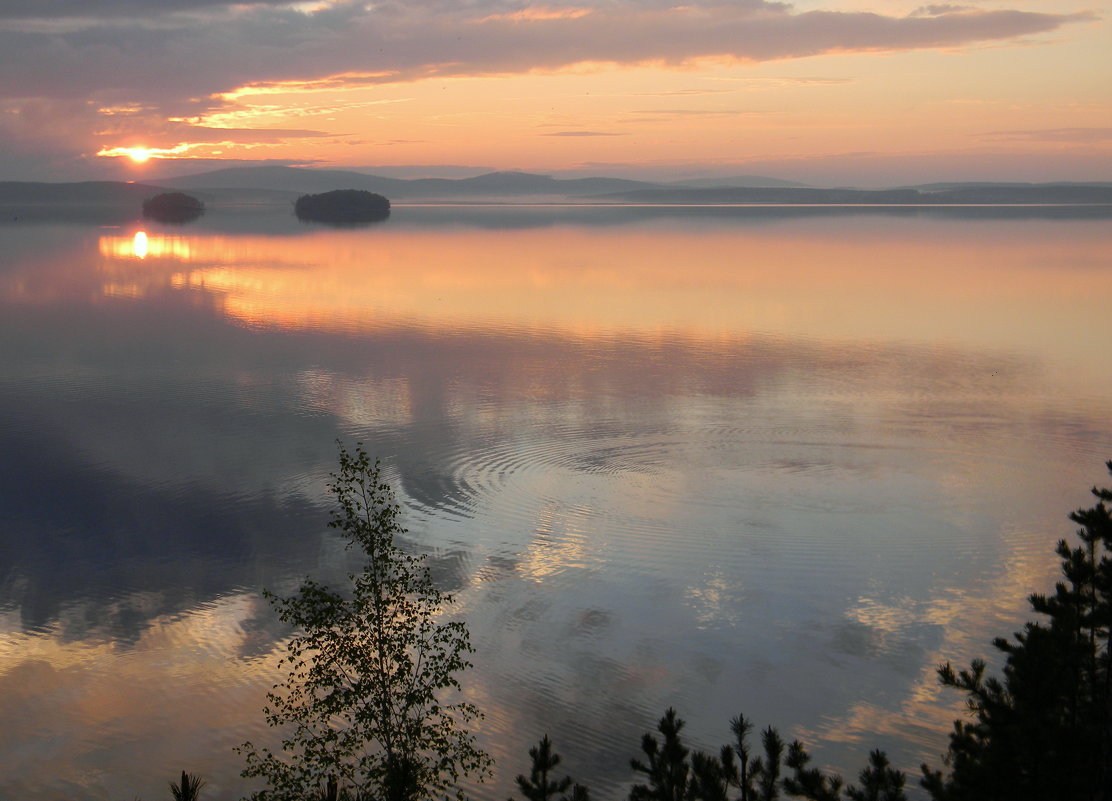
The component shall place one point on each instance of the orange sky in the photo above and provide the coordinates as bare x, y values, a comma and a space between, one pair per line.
869, 92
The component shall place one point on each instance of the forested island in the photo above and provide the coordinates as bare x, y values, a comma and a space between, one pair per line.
173, 207
343, 206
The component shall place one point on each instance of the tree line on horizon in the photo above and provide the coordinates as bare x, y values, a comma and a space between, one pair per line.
364, 714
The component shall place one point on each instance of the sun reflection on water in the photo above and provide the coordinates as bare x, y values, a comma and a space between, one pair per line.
142, 245
802, 282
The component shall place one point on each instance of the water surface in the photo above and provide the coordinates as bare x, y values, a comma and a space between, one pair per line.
779, 462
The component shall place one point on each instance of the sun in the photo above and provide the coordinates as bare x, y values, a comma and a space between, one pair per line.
142, 154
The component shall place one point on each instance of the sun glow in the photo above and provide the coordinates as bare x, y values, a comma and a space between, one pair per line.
156, 246
141, 155
139, 245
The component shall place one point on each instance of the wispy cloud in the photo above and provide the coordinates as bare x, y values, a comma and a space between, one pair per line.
698, 112
776, 81
1080, 135
939, 9
584, 133
686, 92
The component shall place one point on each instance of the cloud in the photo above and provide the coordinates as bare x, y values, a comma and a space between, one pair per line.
776, 81
150, 61
583, 133
1082, 135
698, 112
687, 92
938, 10
214, 51
55, 9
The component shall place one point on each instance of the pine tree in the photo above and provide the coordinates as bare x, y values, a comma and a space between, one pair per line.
189, 789
363, 709
539, 787
667, 768
740, 727
713, 779
1042, 729
766, 769
809, 783
879, 781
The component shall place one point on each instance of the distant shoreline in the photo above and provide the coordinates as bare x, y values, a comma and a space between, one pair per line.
265, 189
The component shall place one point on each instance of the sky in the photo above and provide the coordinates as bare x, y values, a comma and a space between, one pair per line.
827, 92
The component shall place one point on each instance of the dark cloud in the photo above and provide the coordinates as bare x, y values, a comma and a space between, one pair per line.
201, 54
55, 9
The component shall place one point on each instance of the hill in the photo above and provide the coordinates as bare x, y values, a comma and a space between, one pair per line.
738, 181
490, 185
280, 186
81, 193
1034, 194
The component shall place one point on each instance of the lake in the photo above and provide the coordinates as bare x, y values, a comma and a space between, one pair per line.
773, 461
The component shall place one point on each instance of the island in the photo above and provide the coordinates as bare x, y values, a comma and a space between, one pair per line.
343, 206
173, 207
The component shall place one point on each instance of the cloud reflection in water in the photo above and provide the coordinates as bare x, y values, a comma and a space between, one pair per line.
765, 468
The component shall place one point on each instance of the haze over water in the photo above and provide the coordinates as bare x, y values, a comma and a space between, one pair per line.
779, 462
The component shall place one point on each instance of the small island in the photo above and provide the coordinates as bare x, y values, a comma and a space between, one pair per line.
173, 207
343, 206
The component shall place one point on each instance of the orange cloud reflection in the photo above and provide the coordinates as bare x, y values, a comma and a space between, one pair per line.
996, 284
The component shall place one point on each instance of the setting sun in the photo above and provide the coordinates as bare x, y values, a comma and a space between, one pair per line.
141, 155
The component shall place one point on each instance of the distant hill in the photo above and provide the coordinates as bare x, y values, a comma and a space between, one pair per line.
993, 194
1023, 193
756, 181
735, 189
288, 179
81, 193
281, 186
495, 184
794, 195
1001, 185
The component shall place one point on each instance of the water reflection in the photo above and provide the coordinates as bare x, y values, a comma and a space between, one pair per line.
772, 467
140, 245
847, 280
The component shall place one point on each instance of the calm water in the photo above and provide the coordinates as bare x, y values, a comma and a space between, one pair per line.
760, 461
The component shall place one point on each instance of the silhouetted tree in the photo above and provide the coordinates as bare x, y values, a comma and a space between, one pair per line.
740, 727
766, 769
362, 706
809, 783
713, 779
879, 781
1041, 730
189, 789
537, 786
667, 767
704, 777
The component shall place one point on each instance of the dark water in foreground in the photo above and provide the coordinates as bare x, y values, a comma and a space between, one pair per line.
779, 463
